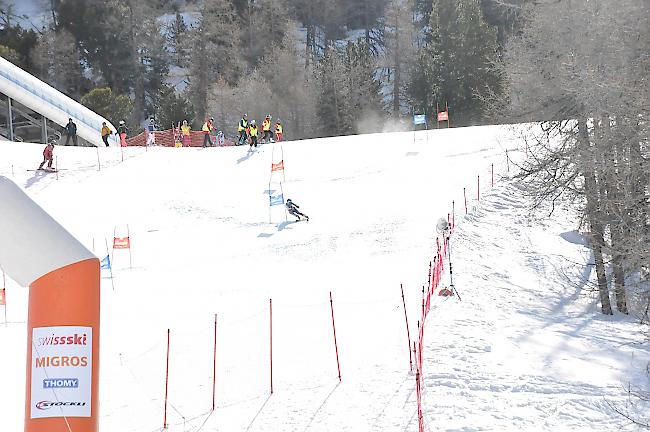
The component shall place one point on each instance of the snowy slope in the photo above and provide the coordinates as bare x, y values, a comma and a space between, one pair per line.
203, 245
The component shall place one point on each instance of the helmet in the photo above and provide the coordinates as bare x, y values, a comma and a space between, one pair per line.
252, 122
121, 122
245, 115
268, 116
288, 200
211, 118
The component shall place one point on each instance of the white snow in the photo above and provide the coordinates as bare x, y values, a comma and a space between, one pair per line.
524, 349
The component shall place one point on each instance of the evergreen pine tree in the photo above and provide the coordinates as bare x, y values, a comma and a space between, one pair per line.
463, 53
363, 86
176, 35
171, 108
332, 108
215, 51
269, 24
400, 52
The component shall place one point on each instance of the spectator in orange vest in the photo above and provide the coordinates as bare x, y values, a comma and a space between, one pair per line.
266, 128
278, 131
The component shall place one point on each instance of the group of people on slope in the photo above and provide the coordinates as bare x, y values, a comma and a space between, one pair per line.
246, 131
249, 131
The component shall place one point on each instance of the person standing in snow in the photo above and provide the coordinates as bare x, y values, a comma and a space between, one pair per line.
242, 127
252, 133
266, 128
151, 136
122, 130
292, 208
71, 132
48, 156
106, 132
278, 131
185, 134
208, 126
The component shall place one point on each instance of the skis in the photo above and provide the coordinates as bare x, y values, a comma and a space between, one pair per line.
44, 169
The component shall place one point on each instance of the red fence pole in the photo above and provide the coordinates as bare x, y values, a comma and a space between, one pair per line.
214, 364
478, 188
408, 334
338, 365
465, 196
453, 215
166, 382
271, 340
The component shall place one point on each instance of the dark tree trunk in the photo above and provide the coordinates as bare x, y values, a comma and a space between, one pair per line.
592, 210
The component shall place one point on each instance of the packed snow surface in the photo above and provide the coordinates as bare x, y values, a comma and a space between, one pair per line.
525, 348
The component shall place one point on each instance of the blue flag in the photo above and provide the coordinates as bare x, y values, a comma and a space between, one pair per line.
419, 119
105, 264
276, 199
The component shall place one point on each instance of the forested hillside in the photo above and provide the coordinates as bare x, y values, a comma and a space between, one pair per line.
325, 67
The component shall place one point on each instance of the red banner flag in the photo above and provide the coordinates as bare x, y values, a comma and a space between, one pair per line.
3, 297
443, 116
278, 166
121, 243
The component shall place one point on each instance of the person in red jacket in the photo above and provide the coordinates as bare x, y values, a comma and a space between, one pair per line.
48, 156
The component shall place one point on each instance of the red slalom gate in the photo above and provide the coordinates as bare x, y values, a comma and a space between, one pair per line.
166, 382
336, 347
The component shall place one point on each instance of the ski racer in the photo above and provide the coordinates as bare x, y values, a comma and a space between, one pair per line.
48, 156
266, 128
278, 131
252, 133
292, 208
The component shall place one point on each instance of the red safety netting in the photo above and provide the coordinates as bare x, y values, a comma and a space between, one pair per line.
169, 137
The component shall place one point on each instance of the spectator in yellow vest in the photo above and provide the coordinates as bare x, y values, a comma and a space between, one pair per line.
185, 134
207, 129
252, 132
